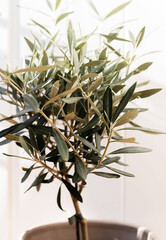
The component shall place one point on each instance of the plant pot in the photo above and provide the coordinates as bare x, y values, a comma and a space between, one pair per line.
97, 231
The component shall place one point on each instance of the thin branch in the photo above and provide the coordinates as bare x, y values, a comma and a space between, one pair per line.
66, 139
48, 168
106, 148
95, 108
10, 81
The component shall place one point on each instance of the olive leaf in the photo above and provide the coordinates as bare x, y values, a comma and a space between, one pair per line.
126, 174
78, 47
27, 173
133, 40
102, 55
30, 44
117, 9
90, 75
127, 117
61, 145
80, 168
31, 101
95, 63
131, 150
110, 37
39, 179
98, 141
87, 143
126, 140
91, 4
18, 114
49, 4
18, 127
59, 198
57, 4
142, 129
44, 59
146, 93
140, 36
72, 190
115, 51
107, 105
106, 174
71, 100
90, 124
142, 67
54, 89
110, 160
51, 41
40, 86
95, 84
121, 65
59, 96
40, 68
76, 61
124, 101
41, 26
24, 144
71, 38
62, 16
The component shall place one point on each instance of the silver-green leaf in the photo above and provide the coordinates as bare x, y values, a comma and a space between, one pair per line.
80, 168
31, 101
61, 145
131, 149
87, 143
140, 36
126, 174
71, 100
59, 198
117, 9
62, 16
106, 174
124, 101
57, 4
24, 144
91, 4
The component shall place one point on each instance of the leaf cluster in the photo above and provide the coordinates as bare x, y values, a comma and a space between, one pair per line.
66, 110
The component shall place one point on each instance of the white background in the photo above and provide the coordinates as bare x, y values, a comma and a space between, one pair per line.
139, 201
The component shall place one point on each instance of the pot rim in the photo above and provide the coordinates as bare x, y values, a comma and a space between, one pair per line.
94, 223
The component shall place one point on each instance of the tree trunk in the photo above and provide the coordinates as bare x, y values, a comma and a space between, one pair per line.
83, 221
84, 229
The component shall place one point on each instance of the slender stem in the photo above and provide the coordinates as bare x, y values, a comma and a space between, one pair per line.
10, 81
95, 108
71, 130
84, 228
78, 230
15, 156
51, 170
5, 100
71, 165
83, 222
81, 187
88, 110
59, 96
105, 151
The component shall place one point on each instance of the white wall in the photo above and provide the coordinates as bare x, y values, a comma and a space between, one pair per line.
139, 201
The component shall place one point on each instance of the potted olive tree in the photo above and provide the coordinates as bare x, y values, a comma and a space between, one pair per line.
69, 111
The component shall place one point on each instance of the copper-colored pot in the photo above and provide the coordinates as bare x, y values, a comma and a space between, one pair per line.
97, 231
